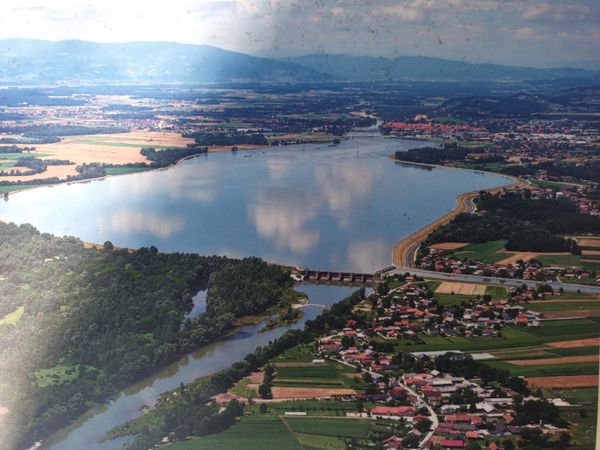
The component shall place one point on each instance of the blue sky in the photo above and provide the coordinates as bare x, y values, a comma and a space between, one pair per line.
525, 32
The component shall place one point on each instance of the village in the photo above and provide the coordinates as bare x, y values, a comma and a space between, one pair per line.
435, 399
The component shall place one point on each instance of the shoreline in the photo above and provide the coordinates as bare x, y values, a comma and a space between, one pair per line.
404, 251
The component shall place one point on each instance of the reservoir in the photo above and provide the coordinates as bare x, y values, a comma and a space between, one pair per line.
325, 207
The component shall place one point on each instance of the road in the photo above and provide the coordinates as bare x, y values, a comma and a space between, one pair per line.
515, 282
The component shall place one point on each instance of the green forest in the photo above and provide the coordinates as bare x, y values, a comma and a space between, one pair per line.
526, 224
77, 324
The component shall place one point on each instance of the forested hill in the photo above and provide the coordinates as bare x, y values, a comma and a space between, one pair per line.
78, 324
408, 68
37, 61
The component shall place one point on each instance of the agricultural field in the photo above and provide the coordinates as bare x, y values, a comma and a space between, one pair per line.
303, 380
449, 287
319, 408
548, 370
486, 251
273, 431
557, 309
587, 262
512, 337
496, 292
255, 432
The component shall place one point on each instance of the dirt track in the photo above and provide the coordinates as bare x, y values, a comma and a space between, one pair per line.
565, 360
300, 393
564, 382
575, 343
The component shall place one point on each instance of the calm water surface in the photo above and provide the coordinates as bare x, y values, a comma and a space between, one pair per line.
339, 207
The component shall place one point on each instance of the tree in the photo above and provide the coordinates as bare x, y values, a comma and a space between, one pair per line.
507, 444
108, 246
472, 446
264, 390
564, 440
423, 425
410, 441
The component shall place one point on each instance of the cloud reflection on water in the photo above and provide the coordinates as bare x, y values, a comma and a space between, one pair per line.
128, 222
278, 218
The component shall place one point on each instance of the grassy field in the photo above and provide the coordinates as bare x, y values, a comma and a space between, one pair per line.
241, 388
452, 299
571, 260
576, 395
540, 351
13, 317
564, 306
56, 375
21, 155
493, 167
329, 427
124, 170
251, 432
486, 252
4, 189
512, 337
318, 408
583, 429
496, 292
329, 375
299, 353
547, 370
549, 184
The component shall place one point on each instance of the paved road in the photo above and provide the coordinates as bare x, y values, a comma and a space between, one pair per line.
494, 280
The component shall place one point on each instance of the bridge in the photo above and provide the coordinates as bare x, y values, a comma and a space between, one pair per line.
326, 276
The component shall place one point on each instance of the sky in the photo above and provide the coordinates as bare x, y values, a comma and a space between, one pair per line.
523, 32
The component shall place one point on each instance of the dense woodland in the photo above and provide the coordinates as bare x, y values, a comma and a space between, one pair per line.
589, 172
438, 155
528, 225
86, 322
232, 138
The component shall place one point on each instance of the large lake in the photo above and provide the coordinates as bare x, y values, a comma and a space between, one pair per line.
319, 206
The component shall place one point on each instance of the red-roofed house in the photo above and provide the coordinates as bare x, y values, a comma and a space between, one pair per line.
452, 443
393, 412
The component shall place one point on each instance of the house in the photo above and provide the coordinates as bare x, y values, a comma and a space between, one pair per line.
393, 412
452, 443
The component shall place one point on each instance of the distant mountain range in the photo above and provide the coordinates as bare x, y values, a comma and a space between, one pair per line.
36, 61
421, 68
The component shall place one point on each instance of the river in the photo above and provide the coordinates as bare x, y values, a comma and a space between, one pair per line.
89, 429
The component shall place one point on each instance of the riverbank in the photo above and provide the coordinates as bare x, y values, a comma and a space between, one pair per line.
403, 252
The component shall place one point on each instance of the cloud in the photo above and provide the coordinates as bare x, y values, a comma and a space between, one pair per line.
535, 11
